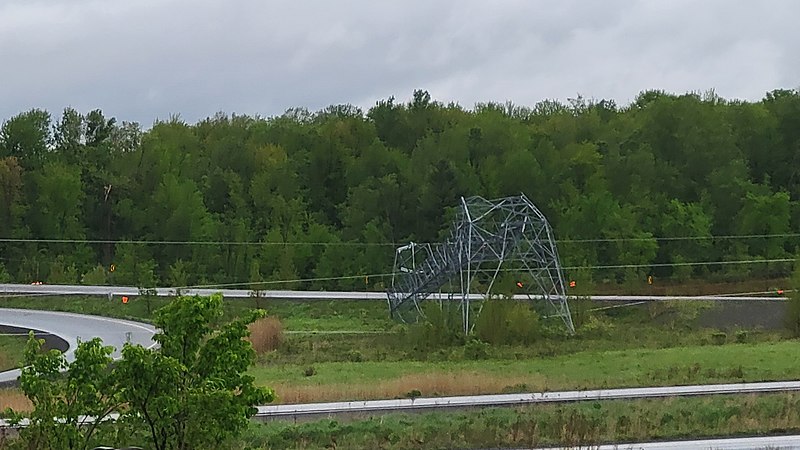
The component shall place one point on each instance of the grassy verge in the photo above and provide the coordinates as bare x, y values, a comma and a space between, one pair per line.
340, 315
333, 381
11, 350
541, 425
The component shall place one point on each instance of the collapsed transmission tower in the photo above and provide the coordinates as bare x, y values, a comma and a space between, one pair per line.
487, 237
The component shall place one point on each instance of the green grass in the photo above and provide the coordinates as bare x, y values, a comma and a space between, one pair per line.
585, 423
11, 351
582, 370
339, 315
657, 344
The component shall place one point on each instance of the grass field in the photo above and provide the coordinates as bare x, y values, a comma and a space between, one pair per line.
343, 350
335, 381
584, 370
11, 349
585, 423
349, 350
344, 315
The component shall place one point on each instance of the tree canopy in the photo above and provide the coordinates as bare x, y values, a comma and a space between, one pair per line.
649, 188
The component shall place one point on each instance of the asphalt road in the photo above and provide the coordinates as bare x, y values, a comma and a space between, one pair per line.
73, 327
117, 291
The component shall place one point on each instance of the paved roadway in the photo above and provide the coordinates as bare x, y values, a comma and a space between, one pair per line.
53, 289
72, 327
763, 442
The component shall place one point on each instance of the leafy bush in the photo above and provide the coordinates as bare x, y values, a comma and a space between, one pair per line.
597, 324
507, 322
95, 277
414, 393
719, 337
475, 349
741, 336
355, 356
442, 327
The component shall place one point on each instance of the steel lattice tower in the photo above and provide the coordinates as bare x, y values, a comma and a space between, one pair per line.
487, 237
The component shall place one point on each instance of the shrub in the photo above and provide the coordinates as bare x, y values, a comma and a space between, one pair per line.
95, 277
597, 324
266, 334
414, 393
440, 328
719, 337
476, 349
309, 371
507, 322
355, 356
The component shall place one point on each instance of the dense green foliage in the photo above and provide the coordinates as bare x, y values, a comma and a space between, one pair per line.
193, 391
69, 411
190, 391
332, 191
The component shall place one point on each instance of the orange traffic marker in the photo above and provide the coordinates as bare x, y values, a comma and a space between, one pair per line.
124, 299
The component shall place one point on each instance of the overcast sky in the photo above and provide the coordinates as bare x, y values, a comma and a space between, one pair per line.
140, 60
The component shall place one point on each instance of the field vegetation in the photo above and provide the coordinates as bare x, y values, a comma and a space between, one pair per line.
586, 423
347, 350
11, 348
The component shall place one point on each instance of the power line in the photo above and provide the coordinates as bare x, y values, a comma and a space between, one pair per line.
298, 280
148, 242
386, 244
684, 238
678, 264
389, 274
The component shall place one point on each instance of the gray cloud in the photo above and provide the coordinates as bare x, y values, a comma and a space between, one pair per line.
146, 59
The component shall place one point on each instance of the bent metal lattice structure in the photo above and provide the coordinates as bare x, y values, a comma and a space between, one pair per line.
488, 237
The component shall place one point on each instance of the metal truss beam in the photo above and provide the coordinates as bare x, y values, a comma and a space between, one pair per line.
487, 237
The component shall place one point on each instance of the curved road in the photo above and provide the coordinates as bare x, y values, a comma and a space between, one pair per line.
74, 327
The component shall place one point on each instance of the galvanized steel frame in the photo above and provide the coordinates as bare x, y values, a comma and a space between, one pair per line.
487, 237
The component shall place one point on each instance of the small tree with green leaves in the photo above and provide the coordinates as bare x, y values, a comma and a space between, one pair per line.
69, 409
193, 391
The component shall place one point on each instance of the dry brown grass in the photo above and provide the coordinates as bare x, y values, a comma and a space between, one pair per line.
266, 334
14, 399
428, 385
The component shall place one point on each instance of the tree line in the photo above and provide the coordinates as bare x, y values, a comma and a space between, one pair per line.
650, 188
